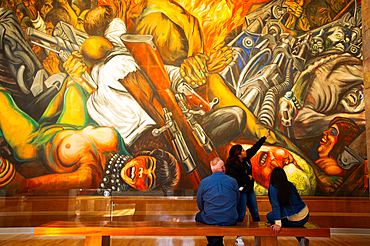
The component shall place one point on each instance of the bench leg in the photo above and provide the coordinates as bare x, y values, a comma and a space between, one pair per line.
269, 241
106, 241
93, 240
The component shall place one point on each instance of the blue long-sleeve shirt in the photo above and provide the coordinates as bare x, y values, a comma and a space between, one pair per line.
280, 212
217, 198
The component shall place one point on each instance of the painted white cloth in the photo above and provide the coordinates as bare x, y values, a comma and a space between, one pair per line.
114, 32
111, 104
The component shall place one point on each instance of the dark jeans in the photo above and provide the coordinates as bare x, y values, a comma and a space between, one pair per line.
286, 222
215, 241
248, 200
212, 240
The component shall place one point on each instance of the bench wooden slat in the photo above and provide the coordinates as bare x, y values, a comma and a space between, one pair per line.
94, 240
95, 231
267, 241
167, 228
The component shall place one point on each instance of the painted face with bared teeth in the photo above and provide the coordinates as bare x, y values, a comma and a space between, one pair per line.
329, 139
267, 158
139, 173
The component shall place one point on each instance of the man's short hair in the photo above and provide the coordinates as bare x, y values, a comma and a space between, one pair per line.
58, 14
216, 163
98, 19
167, 170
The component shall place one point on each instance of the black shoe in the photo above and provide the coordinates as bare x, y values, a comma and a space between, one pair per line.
219, 243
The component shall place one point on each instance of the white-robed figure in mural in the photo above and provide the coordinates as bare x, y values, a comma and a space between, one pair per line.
111, 104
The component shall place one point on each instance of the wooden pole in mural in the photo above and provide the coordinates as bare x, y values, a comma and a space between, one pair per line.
190, 152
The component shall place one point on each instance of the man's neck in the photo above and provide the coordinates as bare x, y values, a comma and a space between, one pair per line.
218, 170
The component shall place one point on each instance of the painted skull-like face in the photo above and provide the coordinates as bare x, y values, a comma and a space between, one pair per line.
354, 101
139, 173
267, 158
316, 46
337, 38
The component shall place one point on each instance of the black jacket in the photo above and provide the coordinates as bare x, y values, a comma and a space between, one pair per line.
241, 170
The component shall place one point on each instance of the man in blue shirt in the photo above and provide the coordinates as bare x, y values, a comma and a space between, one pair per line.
217, 199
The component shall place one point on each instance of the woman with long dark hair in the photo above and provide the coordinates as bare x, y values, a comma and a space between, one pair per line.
288, 209
238, 165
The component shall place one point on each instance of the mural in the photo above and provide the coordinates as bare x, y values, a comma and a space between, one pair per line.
140, 95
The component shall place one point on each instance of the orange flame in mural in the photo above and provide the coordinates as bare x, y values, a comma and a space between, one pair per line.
217, 18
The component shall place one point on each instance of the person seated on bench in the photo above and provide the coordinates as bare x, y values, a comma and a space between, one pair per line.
288, 209
217, 199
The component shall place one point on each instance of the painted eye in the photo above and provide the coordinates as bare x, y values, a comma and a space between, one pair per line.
333, 132
148, 163
147, 182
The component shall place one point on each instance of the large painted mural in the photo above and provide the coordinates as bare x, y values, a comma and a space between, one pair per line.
138, 96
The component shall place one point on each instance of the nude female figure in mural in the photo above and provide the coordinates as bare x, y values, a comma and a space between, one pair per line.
72, 153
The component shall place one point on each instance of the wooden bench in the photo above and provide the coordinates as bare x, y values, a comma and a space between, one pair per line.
33, 211
98, 233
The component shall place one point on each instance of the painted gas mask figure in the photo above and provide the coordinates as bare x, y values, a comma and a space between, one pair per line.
335, 38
